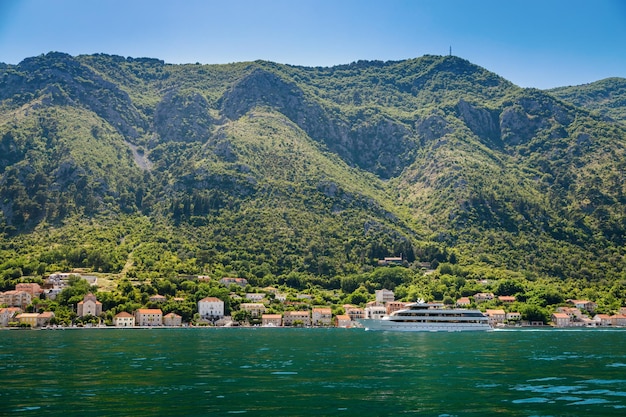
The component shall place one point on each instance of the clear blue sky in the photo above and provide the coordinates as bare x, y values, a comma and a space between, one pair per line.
533, 43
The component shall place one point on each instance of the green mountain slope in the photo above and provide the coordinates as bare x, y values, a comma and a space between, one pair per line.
264, 169
606, 97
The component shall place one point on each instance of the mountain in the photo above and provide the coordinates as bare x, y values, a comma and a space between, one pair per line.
606, 97
261, 169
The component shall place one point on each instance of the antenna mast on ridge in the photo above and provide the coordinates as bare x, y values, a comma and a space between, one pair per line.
450, 50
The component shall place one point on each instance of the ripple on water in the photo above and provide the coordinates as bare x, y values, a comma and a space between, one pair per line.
531, 400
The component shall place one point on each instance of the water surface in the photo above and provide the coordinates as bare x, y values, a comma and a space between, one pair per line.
306, 372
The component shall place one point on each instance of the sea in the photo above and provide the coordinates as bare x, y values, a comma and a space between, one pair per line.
311, 372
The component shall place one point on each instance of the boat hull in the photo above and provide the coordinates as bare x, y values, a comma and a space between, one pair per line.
388, 325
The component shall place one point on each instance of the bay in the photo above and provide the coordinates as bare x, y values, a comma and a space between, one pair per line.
306, 372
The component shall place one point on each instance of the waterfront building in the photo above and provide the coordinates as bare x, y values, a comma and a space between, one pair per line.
27, 318
211, 308
43, 319
271, 320
618, 320
8, 314
561, 319
124, 319
172, 319
513, 316
495, 317
375, 312
355, 313
149, 317
322, 316
343, 320
294, 318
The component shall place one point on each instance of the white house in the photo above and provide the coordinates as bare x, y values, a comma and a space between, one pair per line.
211, 308
124, 319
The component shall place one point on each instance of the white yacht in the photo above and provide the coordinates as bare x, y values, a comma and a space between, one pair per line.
430, 317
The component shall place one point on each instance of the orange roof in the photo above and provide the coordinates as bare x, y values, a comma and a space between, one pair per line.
123, 314
149, 311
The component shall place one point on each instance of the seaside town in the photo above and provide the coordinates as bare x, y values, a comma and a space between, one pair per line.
18, 309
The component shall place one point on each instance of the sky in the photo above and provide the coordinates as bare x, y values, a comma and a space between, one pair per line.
533, 43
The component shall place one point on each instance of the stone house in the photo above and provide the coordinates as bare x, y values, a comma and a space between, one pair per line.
496, 317
463, 302
292, 318
506, 298
255, 296
157, 298
242, 282
271, 320
560, 319
343, 320
513, 316
483, 296
590, 306
256, 310
618, 320
149, 317
172, 319
8, 314
321, 316
602, 320
43, 319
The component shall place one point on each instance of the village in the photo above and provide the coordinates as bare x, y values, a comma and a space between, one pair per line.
252, 310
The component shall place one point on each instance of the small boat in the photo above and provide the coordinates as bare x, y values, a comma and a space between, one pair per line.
430, 317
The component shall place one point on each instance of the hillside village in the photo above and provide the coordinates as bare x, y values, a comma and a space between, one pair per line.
20, 309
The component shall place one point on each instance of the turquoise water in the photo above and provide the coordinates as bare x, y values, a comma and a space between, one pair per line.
306, 372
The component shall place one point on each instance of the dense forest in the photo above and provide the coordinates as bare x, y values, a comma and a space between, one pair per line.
307, 176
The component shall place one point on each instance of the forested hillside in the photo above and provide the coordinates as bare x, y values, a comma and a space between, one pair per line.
145, 169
